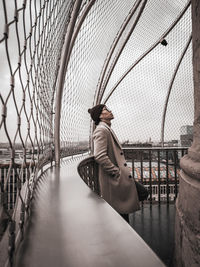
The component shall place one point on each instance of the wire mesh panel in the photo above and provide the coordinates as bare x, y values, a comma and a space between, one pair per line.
114, 36
31, 39
91, 47
139, 100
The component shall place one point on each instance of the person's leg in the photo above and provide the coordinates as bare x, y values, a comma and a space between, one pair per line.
143, 193
125, 216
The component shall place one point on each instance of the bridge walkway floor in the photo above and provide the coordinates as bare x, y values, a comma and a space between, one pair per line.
72, 226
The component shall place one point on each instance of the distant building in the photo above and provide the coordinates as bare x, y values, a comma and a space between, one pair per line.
171, 143
186, 129
186, 135
161, 175
138, 144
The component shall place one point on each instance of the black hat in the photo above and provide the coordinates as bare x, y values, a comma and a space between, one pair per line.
95, 112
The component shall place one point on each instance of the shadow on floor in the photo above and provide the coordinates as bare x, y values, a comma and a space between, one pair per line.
155, 224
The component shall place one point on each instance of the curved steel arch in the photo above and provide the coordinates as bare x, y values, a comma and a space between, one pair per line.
67, 49
147, 52
110, 71
113, 46
98, 94
170, 88
61, 78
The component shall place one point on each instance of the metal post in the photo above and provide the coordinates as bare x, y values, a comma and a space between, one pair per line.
112, 49
150, 174
121, 49
175, 173
61, 77
170, 88
159, 176
167, 176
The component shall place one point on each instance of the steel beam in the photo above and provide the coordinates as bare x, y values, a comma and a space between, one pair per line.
147, 52
170, 88
61, 78
68, 46
121, 50
112, 49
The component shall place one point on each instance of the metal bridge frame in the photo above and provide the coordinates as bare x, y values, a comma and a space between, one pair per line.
66, 52
170, 88
147, 52
112, 49
73, 30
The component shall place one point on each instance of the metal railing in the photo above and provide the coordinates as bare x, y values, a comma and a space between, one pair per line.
88, 170
156, 168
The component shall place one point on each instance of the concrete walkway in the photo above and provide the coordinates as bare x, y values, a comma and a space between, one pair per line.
71, 226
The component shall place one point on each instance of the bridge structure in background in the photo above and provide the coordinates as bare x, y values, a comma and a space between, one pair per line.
59, 58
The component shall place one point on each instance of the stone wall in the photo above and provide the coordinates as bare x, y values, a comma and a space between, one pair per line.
187, 223
187, 228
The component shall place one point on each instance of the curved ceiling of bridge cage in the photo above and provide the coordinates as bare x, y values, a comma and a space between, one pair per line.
139, 99
31, 41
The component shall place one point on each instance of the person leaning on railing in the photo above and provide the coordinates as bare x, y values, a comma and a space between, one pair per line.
117, 186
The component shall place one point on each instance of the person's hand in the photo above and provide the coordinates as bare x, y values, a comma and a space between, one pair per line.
116, 175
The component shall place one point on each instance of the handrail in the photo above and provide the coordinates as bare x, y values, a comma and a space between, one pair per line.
88, 171
82, 222
155, 148
161, 165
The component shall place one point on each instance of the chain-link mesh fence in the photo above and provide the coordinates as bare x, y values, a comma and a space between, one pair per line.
141, 96
31, 38
32, 34
138, 101
86, 61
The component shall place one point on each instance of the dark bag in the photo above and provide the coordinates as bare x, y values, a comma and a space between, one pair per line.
142, 191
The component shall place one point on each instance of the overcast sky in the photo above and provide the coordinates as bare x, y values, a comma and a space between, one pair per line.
138, 101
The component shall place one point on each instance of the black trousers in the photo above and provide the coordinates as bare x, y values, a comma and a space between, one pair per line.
142, 191
125, 216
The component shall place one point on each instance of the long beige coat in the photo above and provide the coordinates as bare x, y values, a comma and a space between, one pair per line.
120, 192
